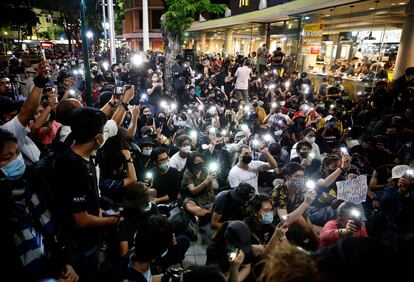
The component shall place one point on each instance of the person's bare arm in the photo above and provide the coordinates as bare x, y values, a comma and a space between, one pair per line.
84, 220
169, 123
297, 213
30, 105
328, 181
215, 221
272, 164
132, 129
194, 190
120, 112
43, 116
123, 248
132, 176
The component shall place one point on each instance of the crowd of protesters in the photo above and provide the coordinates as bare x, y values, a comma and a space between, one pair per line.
241, 149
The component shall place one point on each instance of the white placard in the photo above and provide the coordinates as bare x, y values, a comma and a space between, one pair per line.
353, 190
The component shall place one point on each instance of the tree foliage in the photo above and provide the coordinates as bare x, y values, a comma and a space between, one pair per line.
181, 13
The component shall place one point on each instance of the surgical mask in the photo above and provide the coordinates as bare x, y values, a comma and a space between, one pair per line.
282, 103
186, 149
14, 169
246, 159
147, 152
165, 166
278, 132
267, 218
198, 166
182, 123
298, 184
310, 139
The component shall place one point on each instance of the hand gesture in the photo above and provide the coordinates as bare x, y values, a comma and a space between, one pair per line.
52, 99
129, 94
68, 275
264, 150
43, 69
350, 228
310, 196
136, 111
306, 162
238, 259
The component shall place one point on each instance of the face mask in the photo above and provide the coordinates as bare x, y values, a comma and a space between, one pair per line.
255, 105
192, 93
267, 218
186, 149
282, 103
182, 123
147, 152
338, 82
161, 119
304, 154
164, 166
298, 184
310, 139
219, 146
198, 166
246, 159
15, 169
154, 79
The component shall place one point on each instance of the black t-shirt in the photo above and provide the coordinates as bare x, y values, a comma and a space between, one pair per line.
167, 184
227, 207
79, 192
156, 95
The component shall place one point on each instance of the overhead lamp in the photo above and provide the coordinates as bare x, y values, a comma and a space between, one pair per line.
370, 37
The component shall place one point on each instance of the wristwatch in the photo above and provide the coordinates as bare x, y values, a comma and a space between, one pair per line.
125, 105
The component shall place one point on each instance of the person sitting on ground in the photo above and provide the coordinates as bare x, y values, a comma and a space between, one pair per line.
347, 224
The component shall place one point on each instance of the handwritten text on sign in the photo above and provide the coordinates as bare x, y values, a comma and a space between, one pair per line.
353, 190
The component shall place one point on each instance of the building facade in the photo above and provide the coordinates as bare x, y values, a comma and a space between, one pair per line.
132, 25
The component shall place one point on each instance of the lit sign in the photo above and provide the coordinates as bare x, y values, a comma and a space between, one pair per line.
46, 45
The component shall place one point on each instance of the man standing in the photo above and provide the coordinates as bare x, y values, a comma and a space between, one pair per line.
246, 170
262, 55
242, 76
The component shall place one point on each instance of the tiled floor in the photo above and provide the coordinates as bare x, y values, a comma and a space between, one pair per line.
196, 254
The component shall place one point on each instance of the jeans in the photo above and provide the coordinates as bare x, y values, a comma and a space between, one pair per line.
88, 265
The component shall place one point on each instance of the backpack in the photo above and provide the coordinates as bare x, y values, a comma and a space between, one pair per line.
182, 224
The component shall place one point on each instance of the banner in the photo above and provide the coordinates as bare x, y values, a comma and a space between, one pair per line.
353, 190
312, 37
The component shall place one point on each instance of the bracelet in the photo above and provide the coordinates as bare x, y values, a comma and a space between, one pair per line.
282, 238
125, 105
111, 104
130, 160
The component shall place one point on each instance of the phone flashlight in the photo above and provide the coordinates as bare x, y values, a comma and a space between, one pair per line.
274, 105
72, 92
212, 130
267, 138
224, 132
201, 107
311, 155
344, 151
193, 134
149, 175
173, 106
163, 104
213, 167
310, 184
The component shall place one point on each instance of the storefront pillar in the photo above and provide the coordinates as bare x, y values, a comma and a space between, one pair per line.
202, 44
228, 42
405, 56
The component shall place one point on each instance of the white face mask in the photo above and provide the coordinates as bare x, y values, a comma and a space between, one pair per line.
182, 123
282, 103
186, 149
310, 139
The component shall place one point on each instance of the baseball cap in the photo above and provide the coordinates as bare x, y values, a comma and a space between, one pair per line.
8, 105
238, 234
146, 141
243, 192
298, 115
136, 195
399, 171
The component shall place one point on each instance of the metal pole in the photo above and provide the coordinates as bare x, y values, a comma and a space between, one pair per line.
145, 27
87, 68
112, 47
104, 26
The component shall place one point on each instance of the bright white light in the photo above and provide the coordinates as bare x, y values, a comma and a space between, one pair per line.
136, 59
311, 155
356, 213
274, 105
199, 76
307, 18
72, 92
259, 80
105, 65
213, 167
332, 106
284, 217
274, 71
244, 127
305, 108
81, 72
267, 138
173, 106
201, 107
410, 172
144, 96
105, 25
287, 84
246, 108
344, 150
359, 93
272, 86
149, 175
266, 73
163, 104
212, 130
310, 184
189, 111
224, 132
62, 39
255, 142
193, 134
89, 34
75, 72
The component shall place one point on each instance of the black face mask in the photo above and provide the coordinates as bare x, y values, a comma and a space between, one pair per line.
162, 119
255, 105
246, 159
198, 166
234, 105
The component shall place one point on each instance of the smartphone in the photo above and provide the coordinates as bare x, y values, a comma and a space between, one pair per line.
110, 213
344, 151
118, 90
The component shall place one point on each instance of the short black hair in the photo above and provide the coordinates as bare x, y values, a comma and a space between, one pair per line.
86, 123
65, 110
409, 71
5, 137
156, 152
255, 204
291, 168
302, 144
307, 130
153, 238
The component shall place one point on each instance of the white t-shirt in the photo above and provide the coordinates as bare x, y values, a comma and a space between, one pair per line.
243, 75
251, 175
178, 162
26, 145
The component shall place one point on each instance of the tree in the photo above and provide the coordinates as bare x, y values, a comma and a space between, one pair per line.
178, 17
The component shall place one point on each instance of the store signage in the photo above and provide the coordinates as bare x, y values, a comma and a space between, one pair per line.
46, 45
312, 37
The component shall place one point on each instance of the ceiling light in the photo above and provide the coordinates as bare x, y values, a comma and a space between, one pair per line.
307, 18
401, 3
372, 8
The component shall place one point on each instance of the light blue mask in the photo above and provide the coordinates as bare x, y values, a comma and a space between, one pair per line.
15, 169
267, 218
146, 152
165, 166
